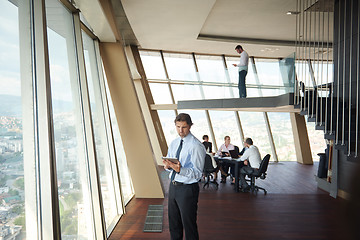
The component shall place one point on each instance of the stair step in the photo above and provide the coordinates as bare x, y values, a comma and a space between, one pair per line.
303, 112
311, 119
352, 157
320, 127
342, 147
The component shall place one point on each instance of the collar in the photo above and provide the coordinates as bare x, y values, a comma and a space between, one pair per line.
186, 138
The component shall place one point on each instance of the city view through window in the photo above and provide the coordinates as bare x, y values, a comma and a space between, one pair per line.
12, 195
19, 186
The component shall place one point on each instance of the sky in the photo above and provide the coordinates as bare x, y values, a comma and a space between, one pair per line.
9, 50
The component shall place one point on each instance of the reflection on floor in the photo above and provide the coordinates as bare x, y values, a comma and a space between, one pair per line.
294, 208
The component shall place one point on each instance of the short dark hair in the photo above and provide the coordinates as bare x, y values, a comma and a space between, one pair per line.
205, 136
249, 141
184, 117
239, 47
226, 137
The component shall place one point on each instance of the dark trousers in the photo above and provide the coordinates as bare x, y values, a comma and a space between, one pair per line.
232, 169
182, 211
245, 170
241, 85
225, 167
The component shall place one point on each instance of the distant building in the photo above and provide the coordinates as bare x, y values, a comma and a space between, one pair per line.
9, 232
11, 200
4, 190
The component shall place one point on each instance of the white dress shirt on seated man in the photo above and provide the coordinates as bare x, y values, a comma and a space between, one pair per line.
253, 156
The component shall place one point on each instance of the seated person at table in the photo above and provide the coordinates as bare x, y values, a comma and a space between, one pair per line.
232, 169
224, 152
252, 160
207, 144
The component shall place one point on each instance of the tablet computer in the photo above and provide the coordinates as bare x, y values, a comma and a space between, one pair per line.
173, 160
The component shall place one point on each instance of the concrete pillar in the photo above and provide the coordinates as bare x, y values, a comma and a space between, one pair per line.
140, 158
301, 139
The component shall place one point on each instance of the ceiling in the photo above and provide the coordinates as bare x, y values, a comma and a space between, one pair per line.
262, 27
214, 26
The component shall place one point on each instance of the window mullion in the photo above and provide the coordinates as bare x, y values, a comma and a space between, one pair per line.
97, 205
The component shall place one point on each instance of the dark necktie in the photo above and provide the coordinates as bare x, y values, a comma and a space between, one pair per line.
177, 156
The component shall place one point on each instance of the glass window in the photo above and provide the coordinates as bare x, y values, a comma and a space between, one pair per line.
200, 125
106, 173
218, 92
211, 68
160, 93
316, 139
71, 160
234, 72
180, 66
266, 92
323, 75
224, 124
268, 71
167, 118
12, 192
253, 125
283, 137
153, 65
127, 190
303, 73
316, 67
287, 70
186, 92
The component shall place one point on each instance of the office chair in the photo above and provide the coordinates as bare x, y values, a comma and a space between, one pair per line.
208, 170
261, 173
236, 148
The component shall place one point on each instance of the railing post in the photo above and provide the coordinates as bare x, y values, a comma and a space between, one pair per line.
357, 88
350, 79
343, 81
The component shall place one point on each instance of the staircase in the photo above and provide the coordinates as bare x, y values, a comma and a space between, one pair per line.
336, 117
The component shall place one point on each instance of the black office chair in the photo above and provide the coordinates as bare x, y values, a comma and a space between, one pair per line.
236, 148
261, 173
208, 170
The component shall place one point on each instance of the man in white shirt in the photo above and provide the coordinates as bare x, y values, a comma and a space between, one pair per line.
243, 69
252, 160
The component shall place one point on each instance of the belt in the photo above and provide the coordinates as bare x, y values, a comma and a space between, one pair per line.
181, 184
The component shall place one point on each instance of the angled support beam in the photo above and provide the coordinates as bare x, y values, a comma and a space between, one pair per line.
152, 120
142, 164
301, 139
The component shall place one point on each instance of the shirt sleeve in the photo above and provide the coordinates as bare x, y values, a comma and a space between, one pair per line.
219, 151
197, 160
170, 153
245, 156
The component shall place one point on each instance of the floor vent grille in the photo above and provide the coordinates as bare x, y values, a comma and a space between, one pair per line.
154, 218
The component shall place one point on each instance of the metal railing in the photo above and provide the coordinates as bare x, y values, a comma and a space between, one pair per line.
332, 101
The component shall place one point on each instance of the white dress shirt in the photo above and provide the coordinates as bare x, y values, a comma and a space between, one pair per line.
192, 159
253, 156
224, 148
244, 61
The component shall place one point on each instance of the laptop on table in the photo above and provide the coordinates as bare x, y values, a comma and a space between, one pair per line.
234, 153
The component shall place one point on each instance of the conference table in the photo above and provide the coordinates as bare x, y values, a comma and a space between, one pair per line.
235, 162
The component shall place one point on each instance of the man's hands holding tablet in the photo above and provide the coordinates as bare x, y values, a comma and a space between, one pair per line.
171, 163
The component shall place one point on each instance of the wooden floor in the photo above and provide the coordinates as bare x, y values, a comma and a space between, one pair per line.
294, 208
